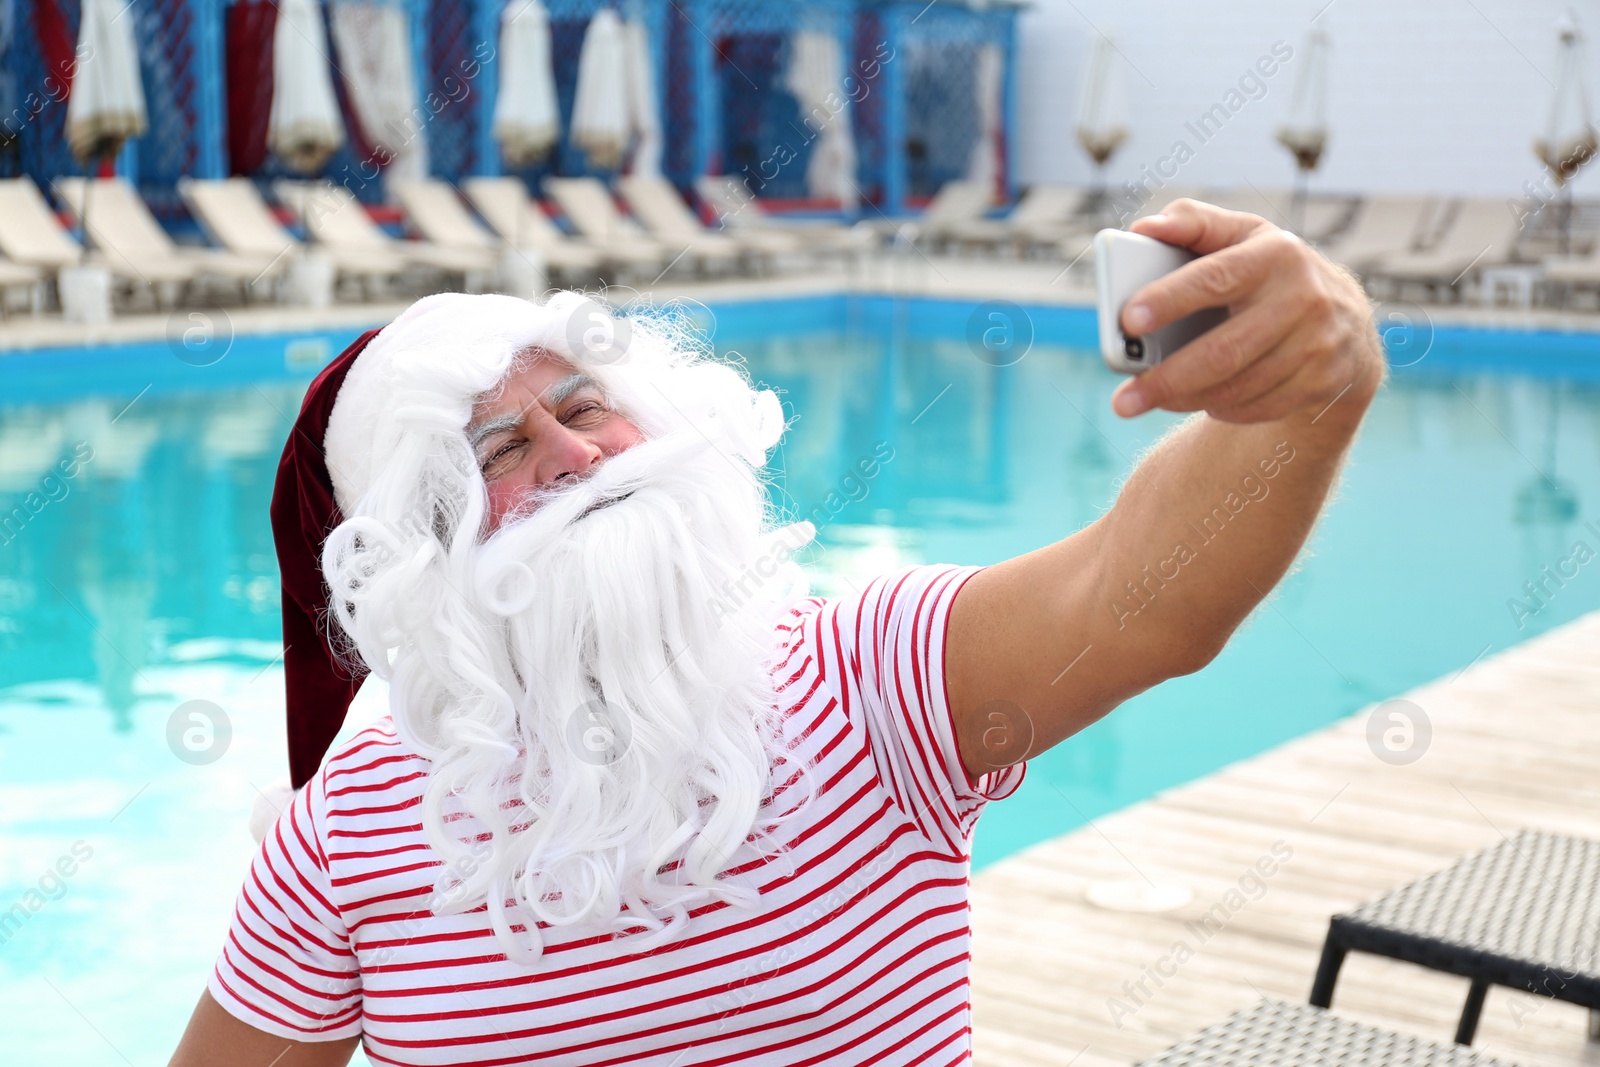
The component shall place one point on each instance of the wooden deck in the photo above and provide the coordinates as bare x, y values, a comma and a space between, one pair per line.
1516, 742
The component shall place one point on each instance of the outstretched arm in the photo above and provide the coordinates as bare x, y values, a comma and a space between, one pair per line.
214, 1038
1043, 645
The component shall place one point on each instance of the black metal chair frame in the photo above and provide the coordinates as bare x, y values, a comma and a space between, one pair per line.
1482, 968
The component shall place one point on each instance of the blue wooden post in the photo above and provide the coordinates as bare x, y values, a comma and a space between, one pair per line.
894, 114
486, 88
417, 19
1008, 113
206, 37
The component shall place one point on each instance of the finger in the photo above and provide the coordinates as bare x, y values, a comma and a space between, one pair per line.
1221, 353
1198, 226
1288, 382
1257, 380
1216, 280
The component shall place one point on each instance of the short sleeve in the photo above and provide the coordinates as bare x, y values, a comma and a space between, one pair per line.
287, 966
889, 644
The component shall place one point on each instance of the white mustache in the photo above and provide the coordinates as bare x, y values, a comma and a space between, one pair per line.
615, 479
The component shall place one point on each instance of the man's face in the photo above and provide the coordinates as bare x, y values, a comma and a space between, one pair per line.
550, 425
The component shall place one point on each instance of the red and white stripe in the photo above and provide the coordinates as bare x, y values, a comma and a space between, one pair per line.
857, 953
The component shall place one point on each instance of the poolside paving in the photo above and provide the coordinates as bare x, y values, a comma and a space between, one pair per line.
904, 271
1057, 980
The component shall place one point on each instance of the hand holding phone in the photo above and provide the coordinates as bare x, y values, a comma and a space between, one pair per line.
1125, 263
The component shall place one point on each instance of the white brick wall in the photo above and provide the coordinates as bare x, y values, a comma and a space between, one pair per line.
1424, 95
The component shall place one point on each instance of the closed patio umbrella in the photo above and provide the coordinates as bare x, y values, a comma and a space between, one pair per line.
375, 60
984, 165
600, 119
1102, 114
814, 75
1569, 139
1305, 134
527, 122
644, 111
305, 127
106, 102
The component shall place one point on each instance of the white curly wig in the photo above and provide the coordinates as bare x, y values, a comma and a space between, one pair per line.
592, 684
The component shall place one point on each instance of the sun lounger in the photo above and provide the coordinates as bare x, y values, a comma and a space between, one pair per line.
1523, 914
335, 219
736, 207
956, 203
520, 221
30, 234
1047, 216
657, 204
587, 204
17, 277
436, 211
1383, 226
1483, 233
121, 227
233, 214
1270, 1033
1572, 272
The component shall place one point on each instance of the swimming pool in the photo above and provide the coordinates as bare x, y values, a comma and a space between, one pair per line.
145, 578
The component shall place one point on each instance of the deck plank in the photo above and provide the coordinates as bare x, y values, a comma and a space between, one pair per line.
1516, 742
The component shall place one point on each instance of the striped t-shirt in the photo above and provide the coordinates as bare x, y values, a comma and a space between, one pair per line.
857, 953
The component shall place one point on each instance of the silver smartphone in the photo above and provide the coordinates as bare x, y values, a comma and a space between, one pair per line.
1124, 263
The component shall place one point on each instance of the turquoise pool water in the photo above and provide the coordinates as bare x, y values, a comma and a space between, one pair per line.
146, 578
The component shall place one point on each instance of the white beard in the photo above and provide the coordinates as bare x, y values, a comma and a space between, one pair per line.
593, 684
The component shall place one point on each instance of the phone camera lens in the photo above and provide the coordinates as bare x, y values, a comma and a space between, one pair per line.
1134, 347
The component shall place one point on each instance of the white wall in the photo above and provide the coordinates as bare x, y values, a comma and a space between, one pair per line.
1438, 96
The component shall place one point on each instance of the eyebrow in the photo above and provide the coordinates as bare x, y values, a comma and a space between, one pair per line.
556, 395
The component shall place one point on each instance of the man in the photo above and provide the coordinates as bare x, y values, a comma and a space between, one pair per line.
633, 806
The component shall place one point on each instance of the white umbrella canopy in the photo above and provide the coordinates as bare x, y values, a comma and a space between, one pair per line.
374, 42
813, 75
106, 102
984, 166
644, 113
1306, 132
1102, 107
600, 110
1569, 139
304, 128
527, 119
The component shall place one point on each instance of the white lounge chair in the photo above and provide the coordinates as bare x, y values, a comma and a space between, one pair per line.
956, 203
436, 211
17, 277
657, 204
121, 227
1046, 217
234, 215
1481, 233
31, 235
737, 209
335, 219
588, 206
1383, 226
520, 221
